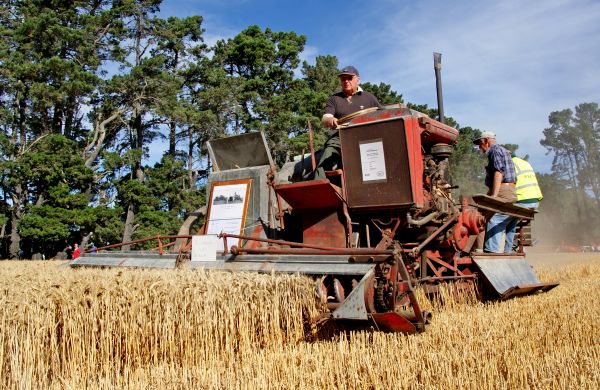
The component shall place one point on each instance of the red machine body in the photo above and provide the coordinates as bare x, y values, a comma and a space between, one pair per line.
394, 168
392, 193
382, 223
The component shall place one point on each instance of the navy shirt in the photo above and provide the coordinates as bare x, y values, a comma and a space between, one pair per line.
499, 159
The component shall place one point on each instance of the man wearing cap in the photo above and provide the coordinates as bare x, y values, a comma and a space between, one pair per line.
348, 101
500, 179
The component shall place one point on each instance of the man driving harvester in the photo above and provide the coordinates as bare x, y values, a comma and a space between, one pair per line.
349, 100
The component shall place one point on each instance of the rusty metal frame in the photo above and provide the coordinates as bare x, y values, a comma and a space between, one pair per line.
438, 273
160, 246
417, 250
300, 247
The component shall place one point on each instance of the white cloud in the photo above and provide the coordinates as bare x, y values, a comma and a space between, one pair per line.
505, 65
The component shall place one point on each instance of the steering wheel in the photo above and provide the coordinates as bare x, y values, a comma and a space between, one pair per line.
348, 118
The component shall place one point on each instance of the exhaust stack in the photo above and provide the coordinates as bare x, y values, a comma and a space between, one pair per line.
437, 66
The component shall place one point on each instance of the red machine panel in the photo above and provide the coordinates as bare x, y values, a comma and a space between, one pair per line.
383, 164
313, 194
323, 228
319, 204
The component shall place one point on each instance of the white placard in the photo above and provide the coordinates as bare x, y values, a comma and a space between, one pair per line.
372, 161
204, 248
227, 209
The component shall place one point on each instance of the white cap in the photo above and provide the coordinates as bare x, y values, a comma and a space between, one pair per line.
484, 134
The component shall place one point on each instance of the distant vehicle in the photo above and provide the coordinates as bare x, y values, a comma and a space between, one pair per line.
589, 248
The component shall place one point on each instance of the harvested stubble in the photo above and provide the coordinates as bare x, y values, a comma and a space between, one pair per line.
63, 328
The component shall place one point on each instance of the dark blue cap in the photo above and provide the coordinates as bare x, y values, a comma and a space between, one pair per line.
349, 70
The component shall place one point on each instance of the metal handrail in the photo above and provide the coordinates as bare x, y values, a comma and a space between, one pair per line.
160, 247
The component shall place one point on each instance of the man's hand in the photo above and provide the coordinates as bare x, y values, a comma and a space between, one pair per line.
334, 123
329, 121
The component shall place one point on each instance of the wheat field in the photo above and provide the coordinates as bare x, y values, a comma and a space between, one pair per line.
62, 328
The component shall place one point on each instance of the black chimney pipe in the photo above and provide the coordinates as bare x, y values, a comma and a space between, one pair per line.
437, 66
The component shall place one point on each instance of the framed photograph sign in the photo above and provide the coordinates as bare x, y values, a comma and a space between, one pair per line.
227, 208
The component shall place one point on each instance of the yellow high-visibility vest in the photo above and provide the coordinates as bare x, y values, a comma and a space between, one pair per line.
527, 184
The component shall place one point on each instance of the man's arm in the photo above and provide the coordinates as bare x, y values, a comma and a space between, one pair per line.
496, 182
329, 121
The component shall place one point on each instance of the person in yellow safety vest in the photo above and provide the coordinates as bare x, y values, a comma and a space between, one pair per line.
529, 195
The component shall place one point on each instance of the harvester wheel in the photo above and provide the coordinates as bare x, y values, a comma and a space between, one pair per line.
381, 298
382, 289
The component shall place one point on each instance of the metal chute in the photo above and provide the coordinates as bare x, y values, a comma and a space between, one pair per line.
507, 276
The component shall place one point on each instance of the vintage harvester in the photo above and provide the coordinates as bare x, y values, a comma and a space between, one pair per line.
369, 233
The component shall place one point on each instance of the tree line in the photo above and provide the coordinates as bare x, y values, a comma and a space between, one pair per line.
87, 87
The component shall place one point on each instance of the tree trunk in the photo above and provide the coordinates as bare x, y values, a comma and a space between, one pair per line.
93, 149
15, 237
128, 229
172, 138
185, 228
190, 157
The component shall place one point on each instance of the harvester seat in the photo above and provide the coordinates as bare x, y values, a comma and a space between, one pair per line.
311, 194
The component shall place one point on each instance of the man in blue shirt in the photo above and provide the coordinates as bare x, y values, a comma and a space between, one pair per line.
500, 179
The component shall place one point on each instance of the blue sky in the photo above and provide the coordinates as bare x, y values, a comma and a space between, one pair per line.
505, 64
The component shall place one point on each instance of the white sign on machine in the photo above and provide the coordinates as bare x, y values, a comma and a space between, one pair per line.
372, 160
204, 248
227, 209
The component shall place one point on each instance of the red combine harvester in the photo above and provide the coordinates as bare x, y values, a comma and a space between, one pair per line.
369, 234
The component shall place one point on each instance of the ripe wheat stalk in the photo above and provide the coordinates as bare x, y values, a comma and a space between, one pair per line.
65, 328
